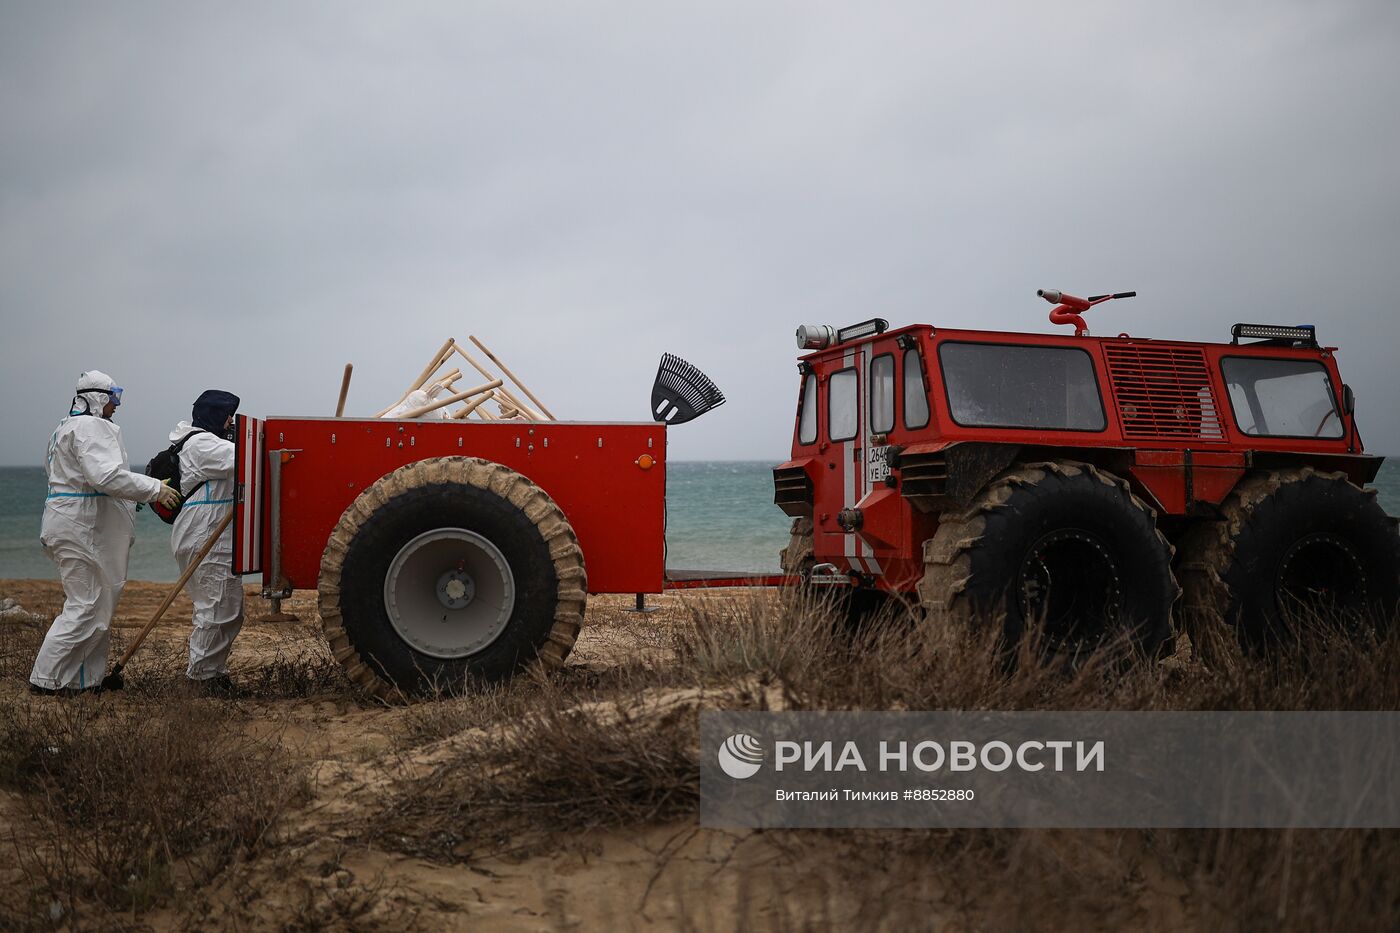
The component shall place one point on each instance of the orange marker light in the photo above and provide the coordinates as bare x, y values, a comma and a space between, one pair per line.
646, 461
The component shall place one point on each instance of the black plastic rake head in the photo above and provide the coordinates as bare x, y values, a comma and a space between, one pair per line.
681, 392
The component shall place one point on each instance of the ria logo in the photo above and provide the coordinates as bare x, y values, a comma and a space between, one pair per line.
741, 756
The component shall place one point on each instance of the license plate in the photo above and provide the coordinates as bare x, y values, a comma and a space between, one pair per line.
877, 465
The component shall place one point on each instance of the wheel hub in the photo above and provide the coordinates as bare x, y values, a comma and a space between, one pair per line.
449, 593
455, 589
1071, 584
1321, 572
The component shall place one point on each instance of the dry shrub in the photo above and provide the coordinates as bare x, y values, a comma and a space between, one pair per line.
549, 765
19, 645
575, 752
337, 900
1041, 879
125, 805
895, 660
296, 667
299, 667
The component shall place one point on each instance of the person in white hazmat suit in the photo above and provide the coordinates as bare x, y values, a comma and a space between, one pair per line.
207, 474
88, 529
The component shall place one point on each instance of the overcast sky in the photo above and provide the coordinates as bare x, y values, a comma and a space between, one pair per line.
247, 196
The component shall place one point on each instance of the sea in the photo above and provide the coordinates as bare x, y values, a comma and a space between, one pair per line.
719, 516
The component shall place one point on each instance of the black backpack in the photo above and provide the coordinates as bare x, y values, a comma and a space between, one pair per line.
166, 466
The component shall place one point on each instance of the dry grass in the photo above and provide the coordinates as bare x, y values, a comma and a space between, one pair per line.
126, 806
547, 760
553, 757
125, 803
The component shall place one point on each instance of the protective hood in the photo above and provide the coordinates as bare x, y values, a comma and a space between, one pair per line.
181, 429
93, 392
212, 409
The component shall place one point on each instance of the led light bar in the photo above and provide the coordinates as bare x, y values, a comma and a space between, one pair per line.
815, 336
876, 325
1305, 333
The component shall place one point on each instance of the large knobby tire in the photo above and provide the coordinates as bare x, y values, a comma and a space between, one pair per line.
1059, 544
797, 558
1294, 541
447, 573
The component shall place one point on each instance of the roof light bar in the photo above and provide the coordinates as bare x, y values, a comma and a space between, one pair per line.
1304, 333
876, 325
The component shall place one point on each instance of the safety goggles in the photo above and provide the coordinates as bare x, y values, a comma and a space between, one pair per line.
114, 394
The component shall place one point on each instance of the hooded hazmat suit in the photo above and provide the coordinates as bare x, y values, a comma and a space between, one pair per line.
87, 530
208, 458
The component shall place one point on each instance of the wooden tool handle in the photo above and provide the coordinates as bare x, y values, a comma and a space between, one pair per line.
175, 590
473, 405
433, 366
513, 378
344, 390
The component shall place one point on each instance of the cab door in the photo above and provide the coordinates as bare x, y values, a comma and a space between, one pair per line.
880, 513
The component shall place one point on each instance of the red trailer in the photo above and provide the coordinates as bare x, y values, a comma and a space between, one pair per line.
446, 553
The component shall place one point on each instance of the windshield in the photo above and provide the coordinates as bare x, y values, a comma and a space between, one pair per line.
1282, 398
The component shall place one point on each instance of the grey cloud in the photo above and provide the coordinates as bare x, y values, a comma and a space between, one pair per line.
250, 195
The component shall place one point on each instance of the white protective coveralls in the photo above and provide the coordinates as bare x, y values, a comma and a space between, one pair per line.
418, 398
88, 529
217, 594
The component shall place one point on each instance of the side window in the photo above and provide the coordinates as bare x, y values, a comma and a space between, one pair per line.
843, 419
807, 420
996, 385
915, 397
882, 393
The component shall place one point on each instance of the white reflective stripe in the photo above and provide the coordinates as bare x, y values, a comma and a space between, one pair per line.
250, 475
244, 522
257, 499
255, 452
863, 546
848, 479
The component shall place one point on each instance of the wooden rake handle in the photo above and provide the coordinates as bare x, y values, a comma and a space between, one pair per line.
344, 390
175, 590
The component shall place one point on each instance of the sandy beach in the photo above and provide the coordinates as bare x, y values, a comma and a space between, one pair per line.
658, 875
663, 875
568, 801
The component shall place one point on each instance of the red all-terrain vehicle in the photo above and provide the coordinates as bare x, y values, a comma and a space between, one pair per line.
1085, 482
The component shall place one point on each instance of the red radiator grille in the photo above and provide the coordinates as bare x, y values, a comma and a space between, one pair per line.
1163, 392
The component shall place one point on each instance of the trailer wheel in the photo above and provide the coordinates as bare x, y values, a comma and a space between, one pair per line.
1058, 544
450, 572
1292, 541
